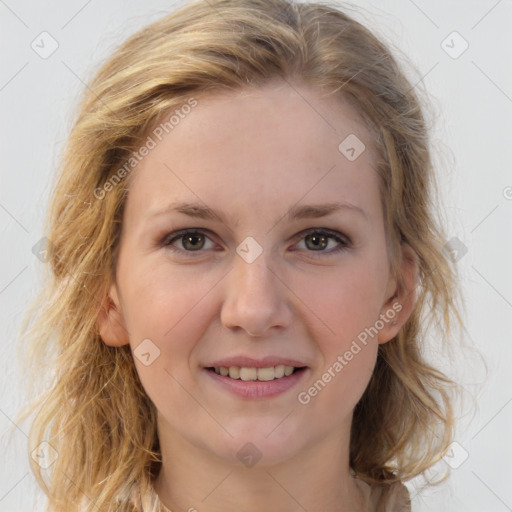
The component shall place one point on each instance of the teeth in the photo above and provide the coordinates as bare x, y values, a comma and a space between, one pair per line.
279, 371
261, 374
266, 373
248, 373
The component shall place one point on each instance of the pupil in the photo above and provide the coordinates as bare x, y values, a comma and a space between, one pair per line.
190, 238
317, 237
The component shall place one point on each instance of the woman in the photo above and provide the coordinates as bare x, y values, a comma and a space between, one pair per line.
244, 260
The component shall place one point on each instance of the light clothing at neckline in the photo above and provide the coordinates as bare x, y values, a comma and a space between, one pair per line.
378, 498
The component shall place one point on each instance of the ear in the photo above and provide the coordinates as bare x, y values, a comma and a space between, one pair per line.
110, 321
401, 299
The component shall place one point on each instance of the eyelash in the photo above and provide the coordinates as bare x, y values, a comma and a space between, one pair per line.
344, 241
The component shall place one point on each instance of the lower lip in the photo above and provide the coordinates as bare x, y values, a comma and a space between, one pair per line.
256, 388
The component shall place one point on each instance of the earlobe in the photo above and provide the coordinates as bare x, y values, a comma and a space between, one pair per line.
398, 308
110, 321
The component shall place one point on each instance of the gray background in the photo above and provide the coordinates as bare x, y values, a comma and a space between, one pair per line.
472, 96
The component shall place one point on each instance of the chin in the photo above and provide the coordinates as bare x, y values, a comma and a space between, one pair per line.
260, 447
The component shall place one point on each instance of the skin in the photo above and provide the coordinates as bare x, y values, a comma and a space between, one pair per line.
253, 154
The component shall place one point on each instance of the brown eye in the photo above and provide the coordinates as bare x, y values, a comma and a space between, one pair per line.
317, 240
186, 241
193, 241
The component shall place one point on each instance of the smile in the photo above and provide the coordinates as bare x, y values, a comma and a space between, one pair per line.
256, 383
250, 374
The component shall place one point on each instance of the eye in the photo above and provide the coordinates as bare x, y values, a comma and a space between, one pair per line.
191, 240
317, 240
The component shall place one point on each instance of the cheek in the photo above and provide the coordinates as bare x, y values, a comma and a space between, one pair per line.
161, 299
346, 301
169, 308
349, 306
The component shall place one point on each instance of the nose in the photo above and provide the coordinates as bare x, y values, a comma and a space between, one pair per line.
256, 299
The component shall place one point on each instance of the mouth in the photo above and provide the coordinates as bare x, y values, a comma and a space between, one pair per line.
262, 381
247, 373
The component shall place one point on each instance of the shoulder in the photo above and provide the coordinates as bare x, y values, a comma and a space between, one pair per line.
386, 498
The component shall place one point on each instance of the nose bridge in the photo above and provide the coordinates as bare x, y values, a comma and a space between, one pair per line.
255, 298
256, 276
252, 264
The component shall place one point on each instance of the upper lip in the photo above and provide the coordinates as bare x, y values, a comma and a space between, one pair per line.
249, 362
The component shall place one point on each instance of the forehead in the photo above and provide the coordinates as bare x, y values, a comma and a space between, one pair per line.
259, 150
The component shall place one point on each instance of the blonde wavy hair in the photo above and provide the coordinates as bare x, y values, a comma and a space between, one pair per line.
93, 409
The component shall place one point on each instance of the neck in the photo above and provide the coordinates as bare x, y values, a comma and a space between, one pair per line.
317, 480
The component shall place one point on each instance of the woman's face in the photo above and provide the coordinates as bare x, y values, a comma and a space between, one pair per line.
267, 281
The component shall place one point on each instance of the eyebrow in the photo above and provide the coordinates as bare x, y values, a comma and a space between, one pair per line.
310, 211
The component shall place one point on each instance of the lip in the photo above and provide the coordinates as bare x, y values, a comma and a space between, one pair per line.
249, 362
254, 389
